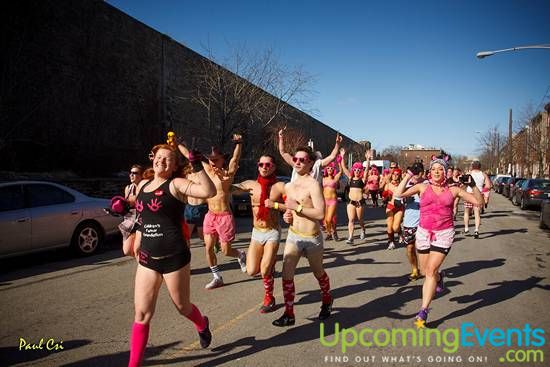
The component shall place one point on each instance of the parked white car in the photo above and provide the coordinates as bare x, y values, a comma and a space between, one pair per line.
38, 215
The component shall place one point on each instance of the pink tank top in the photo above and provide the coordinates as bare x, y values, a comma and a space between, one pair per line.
372, 183
436, 211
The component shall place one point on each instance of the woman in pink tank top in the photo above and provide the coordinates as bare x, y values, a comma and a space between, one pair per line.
435, 233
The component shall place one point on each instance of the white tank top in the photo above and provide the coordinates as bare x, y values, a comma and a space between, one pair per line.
479, 178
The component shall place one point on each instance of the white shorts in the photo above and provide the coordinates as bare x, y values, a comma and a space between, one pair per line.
425, 239
264, 236
304, 243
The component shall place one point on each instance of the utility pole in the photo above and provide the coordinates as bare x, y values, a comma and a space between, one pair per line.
510, 155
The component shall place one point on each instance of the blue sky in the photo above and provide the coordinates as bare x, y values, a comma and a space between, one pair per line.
392, 72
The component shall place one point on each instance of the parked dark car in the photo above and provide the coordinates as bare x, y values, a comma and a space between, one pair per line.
544, 222
497, 184
37, 216
507, 188
532, 192
502, 183
513, 190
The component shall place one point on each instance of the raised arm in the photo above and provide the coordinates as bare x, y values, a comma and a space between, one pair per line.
343, 163
334, 153
202, 187
286, 156
234, 162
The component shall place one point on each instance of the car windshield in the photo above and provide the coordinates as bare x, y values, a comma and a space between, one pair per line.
541, 184
505, 180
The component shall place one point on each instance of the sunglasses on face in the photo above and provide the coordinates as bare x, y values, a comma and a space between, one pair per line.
266, 165
133, 173
300, 159
356, 170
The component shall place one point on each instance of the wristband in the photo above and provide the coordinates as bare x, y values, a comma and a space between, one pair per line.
276, 205
238, 142
299, 208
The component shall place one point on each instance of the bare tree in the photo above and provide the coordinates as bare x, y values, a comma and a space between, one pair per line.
391, 153
491, 144
247, 91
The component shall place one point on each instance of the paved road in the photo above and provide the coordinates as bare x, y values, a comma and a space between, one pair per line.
498, 281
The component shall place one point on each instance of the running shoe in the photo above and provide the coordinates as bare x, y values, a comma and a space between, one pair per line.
215, 283
335, 236
242, 261
476, 235
328, 237
284, 320
466, 232
414, 276
326, 310
205, 336
349, 241
391, 246
440, 284
268, 306
362, 236
422, 314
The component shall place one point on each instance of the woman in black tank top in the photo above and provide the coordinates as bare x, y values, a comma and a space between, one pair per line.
160, 248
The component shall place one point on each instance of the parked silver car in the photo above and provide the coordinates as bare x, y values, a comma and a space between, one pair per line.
37, 216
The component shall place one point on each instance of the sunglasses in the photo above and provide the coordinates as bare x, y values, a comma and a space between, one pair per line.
266, 165
134, 173
357, 170
300, 159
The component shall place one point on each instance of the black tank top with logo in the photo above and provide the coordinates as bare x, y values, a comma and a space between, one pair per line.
161, 232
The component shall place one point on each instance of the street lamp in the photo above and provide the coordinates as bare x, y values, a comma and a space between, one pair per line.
483, 54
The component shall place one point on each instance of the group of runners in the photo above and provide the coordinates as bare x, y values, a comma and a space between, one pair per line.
420, 209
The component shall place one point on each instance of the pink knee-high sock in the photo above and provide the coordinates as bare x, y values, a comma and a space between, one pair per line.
138, 342
196, 317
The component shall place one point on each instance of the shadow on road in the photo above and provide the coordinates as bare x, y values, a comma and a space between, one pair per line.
503, 291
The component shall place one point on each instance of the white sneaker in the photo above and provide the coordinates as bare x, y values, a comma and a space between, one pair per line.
391, 246
349, 241
215, 283
362, 236
242, 261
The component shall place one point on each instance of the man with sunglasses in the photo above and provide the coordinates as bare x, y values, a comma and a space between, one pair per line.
266, 232
304, 208
219, 223
318, 163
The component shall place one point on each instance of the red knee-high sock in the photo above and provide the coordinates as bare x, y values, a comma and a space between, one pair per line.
288, 294
324, 284
196, 317
268, 287
138, 342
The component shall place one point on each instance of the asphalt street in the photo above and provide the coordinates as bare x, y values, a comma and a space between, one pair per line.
84, 307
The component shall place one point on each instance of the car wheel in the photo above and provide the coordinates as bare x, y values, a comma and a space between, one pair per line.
542, 225
87, 238
522, 204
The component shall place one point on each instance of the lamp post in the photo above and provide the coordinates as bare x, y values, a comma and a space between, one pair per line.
483, 54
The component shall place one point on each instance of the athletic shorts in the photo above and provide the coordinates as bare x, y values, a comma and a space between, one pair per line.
440, 241
305, 243
409, 235
221, 225
468, 205
268, 235
194, 214
166, 264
